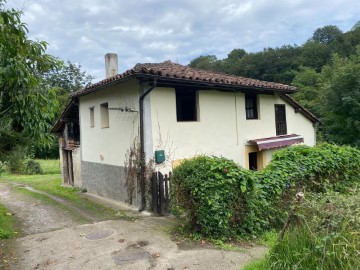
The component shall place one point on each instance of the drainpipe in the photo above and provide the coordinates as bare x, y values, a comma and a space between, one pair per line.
142, 147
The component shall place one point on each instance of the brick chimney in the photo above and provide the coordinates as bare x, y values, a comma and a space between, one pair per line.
111, 64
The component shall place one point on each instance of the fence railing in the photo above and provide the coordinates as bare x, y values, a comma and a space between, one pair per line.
161, 193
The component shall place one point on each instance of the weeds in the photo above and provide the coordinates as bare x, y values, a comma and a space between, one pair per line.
7, 223
326, 236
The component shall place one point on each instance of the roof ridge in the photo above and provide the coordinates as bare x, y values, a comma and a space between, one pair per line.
171, 70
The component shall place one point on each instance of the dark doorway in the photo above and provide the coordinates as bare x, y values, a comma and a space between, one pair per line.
253, 161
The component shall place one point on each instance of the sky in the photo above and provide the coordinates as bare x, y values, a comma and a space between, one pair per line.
142, 31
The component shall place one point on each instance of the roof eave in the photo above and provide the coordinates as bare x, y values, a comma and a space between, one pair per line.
300, 108
210, 85
163, 80
59, 122
99, 87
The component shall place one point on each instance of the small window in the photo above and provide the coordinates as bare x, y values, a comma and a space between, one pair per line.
104, 115
92, 122
251, 106
186, 105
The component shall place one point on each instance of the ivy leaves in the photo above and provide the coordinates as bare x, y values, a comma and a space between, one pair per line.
220, 199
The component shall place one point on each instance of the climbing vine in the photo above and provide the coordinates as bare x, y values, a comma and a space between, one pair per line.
134, 161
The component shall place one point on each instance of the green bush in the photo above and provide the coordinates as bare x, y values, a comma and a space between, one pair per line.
15, 161
210, 192
220, 199
33, 167
322, 168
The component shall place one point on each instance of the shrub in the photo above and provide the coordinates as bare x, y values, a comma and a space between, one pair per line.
220, 199
33, 167
210, 192
15, 160
322, 168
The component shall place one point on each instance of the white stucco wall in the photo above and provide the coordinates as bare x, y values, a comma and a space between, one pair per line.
109, 145
222, 129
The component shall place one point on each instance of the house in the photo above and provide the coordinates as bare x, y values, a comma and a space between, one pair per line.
173, 112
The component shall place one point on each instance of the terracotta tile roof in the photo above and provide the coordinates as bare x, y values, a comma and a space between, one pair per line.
170, 70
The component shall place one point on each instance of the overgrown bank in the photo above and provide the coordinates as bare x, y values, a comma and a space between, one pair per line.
220, 199
324, 233
309, 194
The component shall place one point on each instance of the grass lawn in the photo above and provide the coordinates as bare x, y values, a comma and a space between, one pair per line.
259, 264
49, 166
7, 223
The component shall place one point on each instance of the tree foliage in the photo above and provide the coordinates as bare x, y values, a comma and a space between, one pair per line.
34, 88
26, 109
206, 62
64, 79
327, 34
340, 100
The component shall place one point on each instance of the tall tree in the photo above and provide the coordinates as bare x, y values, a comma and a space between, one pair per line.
340, 100
308, 81
206, 62
327, 34
232, 61
26, 109
65, 79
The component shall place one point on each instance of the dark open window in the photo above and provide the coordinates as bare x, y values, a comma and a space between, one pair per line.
186, 105
251, 106
280, 119
253, 161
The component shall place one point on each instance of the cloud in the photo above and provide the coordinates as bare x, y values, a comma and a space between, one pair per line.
157, 30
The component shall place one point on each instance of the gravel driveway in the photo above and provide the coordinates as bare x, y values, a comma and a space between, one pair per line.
51, 238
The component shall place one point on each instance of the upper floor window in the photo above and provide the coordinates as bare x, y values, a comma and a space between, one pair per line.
104, 115
280, 119
186, 105
251, 106
92, 119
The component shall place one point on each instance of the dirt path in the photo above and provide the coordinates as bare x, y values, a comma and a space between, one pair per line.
54, 239
34, 215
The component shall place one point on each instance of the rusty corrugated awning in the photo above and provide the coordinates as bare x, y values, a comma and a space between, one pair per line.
278, 141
